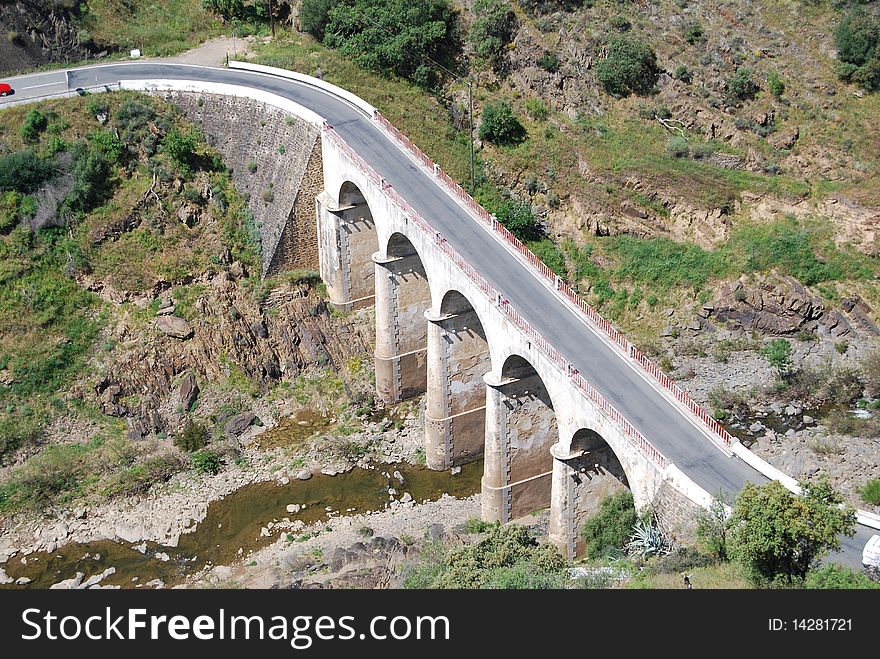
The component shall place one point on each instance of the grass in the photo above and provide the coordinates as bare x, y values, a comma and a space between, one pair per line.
157, 27
871, 492
722, 575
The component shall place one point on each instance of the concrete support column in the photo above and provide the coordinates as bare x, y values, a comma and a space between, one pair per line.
455, 405
495, 499
402, 295
387, 365
330, 257
563, 494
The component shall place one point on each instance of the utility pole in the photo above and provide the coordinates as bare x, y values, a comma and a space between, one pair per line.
471, 134
271, 19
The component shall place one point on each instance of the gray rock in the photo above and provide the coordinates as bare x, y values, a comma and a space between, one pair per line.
329, 471
22, 581
68, 584
174, 327
293, 508
187, 390
435, 532
808, 420
790, 410
239, 423
303, 474
97, 578
455, 471
259, 329
5, 578
406, 498
757, 426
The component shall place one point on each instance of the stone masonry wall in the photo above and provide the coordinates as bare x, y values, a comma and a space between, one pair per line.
281, 190
676, 514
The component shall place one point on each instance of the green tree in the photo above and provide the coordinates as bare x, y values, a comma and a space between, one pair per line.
491, 30
712, 526
314, 16
193, 437
610, 529
394, 37
630, 67
778, 354
91, 181
23, 171
779, 536
518, 217
500, 125
838, 577
180, 147
857, 37
741, 86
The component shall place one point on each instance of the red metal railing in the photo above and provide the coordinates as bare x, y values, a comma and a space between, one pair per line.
566, 291
633, 436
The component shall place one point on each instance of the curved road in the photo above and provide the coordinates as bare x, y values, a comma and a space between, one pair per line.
665, 424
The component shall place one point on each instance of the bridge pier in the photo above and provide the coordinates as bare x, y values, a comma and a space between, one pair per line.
346, 239
520, 428
455, 408
402, 296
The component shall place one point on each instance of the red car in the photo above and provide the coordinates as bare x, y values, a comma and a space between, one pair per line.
5, 89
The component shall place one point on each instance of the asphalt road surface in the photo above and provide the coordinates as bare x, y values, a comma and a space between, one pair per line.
675, 433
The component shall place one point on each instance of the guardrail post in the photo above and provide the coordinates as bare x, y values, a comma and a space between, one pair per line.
437, 170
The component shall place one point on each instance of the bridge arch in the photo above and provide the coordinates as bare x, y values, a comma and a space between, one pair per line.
350, 228
458, 358
403, 295
521, 428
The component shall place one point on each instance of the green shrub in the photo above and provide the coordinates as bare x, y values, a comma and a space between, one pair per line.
778, 354
110, 146
775, 84
550, 254
549, 62
629, 67
537, 109
138, 479
34, 123
314, 16
500, 125
857, 39
180, 147
692, 32
91, 181
682, 73
517, 216
834, 577
778, 536
871, 492
677, 147
609, 529
206, 461
193, 437
24, 171
491, 30
394, 37
741, 86
619, 22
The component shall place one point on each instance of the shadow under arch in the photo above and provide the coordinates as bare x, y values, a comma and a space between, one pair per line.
403, 295
458, 358
358, 241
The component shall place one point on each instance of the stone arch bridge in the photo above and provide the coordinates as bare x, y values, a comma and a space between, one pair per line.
515, 368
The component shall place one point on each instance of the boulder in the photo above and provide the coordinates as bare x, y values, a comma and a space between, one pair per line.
174, 327
187, 391
239, 423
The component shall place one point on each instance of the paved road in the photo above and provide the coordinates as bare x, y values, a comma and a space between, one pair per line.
663, 423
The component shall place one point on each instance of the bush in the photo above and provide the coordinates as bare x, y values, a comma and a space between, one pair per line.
537, 109
491, 30
393, 37
629, 67
778, 536
91, 181
206, 461
34, 123
677, 147
314, 16
681, 560
834, 577
871, 492
549, 62
609, 529
775, 84
193, 437
24, 171
778, 354
110, 146
500, 125
180, 147
740, 86
508, 557
682, 73
620, 23
857, 39
517, 216
692, 32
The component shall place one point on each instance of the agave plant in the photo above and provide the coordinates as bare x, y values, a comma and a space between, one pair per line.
647, 540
